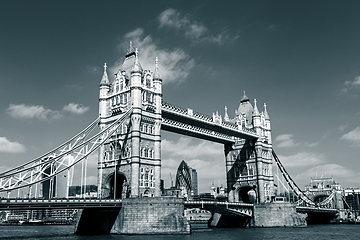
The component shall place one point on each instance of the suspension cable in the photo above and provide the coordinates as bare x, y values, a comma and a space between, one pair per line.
291, 183
97, 140
79, 139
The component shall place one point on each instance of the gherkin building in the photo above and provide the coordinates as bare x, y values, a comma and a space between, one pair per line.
186, 179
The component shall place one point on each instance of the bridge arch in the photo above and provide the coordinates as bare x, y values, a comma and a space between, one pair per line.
246, 194
117, 185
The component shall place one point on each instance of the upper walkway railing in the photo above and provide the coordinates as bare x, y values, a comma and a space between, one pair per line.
232, 130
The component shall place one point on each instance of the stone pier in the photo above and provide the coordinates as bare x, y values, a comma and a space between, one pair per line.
158, 215
277, 215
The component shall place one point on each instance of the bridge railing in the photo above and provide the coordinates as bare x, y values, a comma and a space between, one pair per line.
57, 200
200, 130
218, 203
204, 118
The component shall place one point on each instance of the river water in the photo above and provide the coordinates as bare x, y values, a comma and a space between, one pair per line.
199, 232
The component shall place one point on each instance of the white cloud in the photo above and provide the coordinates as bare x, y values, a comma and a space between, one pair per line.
342, 127
341, 174
75, 108
355, 82
286, 141
196, 31
92, 69
302, 159
353, 137
184, 148
32, 111
171, 18
174, 64
351, 85
272, 27
11, 147
313, 144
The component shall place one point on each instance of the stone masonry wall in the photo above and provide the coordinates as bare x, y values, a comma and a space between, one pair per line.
277, 215
159, 215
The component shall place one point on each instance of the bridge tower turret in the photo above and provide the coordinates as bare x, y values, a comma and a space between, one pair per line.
135, 93
103, 114
267, 126
256, 119
104, 90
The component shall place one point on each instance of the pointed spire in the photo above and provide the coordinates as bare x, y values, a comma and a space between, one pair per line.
226, 116
244, 98
256, 110
156, 72
105, 79
136, 67
131, 49
265, 112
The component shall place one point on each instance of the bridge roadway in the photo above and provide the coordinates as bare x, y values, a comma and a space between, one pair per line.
29, 204
240, 209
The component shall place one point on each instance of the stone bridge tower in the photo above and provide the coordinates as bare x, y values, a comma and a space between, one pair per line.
249, 163
129, 163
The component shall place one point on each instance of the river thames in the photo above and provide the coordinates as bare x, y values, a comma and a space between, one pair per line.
199, 232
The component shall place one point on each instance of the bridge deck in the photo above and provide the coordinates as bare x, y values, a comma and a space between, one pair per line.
32, 204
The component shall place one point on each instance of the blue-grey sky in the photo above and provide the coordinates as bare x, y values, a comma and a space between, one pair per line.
301, 58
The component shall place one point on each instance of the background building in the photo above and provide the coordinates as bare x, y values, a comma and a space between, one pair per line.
186, 180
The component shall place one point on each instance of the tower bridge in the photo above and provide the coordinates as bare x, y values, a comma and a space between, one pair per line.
131, 117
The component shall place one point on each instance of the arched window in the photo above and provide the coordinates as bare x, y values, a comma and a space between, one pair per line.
143, 152
127, 152
148, 82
